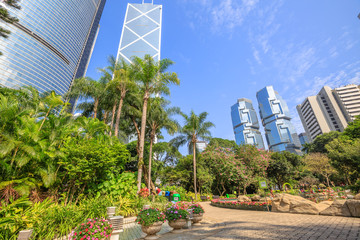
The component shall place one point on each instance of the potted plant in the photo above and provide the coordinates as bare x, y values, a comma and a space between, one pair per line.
198, 212
176, 217
151, 221
97, 228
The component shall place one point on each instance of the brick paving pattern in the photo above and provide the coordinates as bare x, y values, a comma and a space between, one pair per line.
240, 224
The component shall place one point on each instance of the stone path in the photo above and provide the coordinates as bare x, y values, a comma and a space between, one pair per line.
221, 223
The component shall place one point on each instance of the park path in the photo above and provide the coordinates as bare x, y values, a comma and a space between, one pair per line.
221, 223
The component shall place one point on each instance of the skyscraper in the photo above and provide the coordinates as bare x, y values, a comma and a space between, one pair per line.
51, 44
329, 110
246, 124
279, 131
303, 138
141, 33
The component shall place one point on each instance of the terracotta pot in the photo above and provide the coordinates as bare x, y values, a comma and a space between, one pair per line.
152, 230
177, 225
197, 218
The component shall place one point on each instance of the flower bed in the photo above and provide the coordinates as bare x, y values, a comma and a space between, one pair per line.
256, 206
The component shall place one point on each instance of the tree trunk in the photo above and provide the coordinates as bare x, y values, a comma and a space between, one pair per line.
146, 173
150, 158
119, 113
142, 140
194, 162
327, 181
96, 103
112, 118
47, 114
105, 116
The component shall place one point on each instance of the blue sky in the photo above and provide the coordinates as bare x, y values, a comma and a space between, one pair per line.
230, 49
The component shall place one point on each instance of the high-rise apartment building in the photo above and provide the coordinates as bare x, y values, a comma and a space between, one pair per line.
279, 131
141, 33
348, 98
245, 124
51, 44
329, 110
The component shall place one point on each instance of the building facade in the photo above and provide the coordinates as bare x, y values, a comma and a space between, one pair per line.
279, 132
329, 110
303, 138
141, 33
51, 44
245, 124
348, 98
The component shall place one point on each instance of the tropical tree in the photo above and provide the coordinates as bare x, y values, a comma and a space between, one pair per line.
159, 117
152, 79
319, 163
5, 16
51, 101
195, 127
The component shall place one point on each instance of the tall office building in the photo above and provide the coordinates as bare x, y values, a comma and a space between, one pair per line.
51, 44
329, 110
141, 33
246, 124
279, 131
303, 138
348, 98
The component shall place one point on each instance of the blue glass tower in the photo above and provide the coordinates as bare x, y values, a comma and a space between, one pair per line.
50, 45
279, 131
246, 124
141, 33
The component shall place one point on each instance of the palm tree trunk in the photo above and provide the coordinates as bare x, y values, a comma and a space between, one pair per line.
194, 162
150, 158
96, 106
118, 115
142, 140
112, 118
105, 116
47, 114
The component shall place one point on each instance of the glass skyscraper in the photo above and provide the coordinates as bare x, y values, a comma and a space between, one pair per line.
246, 124
279, 131
51, 44
141, 33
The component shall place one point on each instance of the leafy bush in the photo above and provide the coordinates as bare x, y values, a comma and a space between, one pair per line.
144, 192
119, 186
174, 213
150, 216
92, 228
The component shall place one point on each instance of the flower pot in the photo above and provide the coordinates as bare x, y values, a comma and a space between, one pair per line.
197, 219
152, 230
177, 225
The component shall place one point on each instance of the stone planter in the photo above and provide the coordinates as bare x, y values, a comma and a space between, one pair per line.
197, 219
152, 230
177, 225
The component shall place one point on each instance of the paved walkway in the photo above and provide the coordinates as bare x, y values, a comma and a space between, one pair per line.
221, 223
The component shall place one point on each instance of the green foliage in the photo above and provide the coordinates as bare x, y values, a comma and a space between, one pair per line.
223, 143
123, 185
150, 216
319, 143
283, 166
352, 131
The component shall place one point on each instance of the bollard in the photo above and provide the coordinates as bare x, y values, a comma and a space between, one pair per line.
111, 211
25, 234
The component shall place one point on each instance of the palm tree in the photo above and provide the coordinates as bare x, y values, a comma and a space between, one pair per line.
195, 128
120, 84
51, 101
152, 79
5, 16
159, 118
